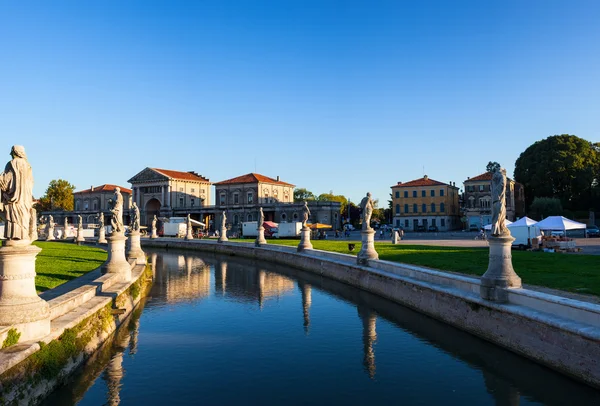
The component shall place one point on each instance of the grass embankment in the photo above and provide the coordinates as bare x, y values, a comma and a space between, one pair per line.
573, 273
61, 262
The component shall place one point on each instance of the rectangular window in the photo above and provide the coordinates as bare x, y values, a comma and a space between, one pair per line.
414, 208
423, 193
433, 207
443, 222
181, 189
397, 194
414, 193
222, 199
193, 190
442, 192
406, 208
397, 222
424, 208
181, 202
236, 198
250, 198
481, 188
406, 193
432, 193
192, 202
406, 223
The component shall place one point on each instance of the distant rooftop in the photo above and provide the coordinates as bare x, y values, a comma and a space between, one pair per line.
253, 178
104, 188
424, 181
191, 175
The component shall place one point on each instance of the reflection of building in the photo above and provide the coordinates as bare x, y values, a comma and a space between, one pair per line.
478, 200
190, 282
242, 196
425, 202
159, 191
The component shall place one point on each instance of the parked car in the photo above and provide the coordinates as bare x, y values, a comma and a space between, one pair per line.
473, 227
421, 228
592, 231
433, 228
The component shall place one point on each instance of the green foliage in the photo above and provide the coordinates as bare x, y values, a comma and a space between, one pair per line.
303, 195
58, 196
330, 197
543, 207
12, 337
562, 166
60, 262
135, 289
492, 166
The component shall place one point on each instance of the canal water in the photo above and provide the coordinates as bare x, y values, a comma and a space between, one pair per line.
226, 331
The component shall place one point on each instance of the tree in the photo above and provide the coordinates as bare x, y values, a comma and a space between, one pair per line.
563, 166
330, 197
59, 196
303, 195
543, 207
492, 166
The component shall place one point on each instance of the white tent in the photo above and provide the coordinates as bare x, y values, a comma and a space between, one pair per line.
524, 230
559, 223
489, 226
524, 221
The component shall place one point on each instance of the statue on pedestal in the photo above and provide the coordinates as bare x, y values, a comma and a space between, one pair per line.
66, 227
261, 217
154, 221
366, 205
117, 212
499, 203
135, 217
101, 220
79, 223
50, 228
16, 201
305, 215
223, 220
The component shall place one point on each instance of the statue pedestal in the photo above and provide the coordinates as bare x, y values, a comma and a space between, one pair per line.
305, 243
101, 236
189, 235
223, 235
367, 250
135, 248
80, 239
64, 235
50, 236
154, 235
500, 273
260, 238
20, 306
395, 237
116, 262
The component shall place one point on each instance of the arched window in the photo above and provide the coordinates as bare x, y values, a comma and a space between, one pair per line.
406, 208
77, 203
235, 219
424, 208
397, 209
442, 207
433, 207
249, 217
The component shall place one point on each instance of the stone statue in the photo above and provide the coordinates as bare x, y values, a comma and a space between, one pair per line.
79, 223
101, 220
66, 227
499, 203
223, 220
117, 212
305, 215
135, 217
33, 231
366, 205
154, 220
261, 217
50, 228
16, 201
189, 223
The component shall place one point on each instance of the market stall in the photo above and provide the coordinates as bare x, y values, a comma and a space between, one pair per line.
554, 233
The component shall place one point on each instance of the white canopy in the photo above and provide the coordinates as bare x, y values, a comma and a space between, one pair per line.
559, 223
525, 221
489, 226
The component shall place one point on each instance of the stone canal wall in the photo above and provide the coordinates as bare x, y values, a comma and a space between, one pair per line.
561, 333
84, 314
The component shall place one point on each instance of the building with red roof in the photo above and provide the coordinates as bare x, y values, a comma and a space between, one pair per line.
425, 204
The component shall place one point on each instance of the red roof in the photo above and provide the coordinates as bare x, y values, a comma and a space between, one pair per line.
483, 176
424, 181
105, 188
193, 176
253, 178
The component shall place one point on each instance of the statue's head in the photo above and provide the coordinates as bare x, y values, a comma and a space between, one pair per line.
117, 189
134, 204
368, 194
18, 151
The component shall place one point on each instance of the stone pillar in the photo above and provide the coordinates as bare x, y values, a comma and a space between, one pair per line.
116, 262
367, 250
223, 235
500, 274
168, 199
20, 306
260, 238
101, 235
135, 249
80, 239
305, 243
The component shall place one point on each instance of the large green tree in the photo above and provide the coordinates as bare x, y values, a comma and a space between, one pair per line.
58, 196
492, 166
543, 207
303, 195
330, 197
563, 166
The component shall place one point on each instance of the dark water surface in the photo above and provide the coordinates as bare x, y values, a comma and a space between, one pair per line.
225, 331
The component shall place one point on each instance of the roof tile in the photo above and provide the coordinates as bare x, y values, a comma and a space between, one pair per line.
424, 181
104, 188
252, 178
181, 175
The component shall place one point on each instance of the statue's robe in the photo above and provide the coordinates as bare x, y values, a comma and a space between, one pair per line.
16, 184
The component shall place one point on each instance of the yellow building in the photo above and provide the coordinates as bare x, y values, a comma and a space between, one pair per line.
425, 205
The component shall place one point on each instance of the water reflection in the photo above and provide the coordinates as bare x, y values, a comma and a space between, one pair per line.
501, 377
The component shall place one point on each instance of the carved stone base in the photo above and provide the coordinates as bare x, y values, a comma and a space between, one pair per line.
154, 235
116, 262
50, 236
500, 274
189, 235
20, 306
223, 235
395, 237
367, 250
80, 238
101, 236
305, 243
64, 234
260, 239
135, 248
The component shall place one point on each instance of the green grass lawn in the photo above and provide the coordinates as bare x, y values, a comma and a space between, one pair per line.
573, 273
60, 262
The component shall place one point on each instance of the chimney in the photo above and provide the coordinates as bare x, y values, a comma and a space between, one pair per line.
277, 178
92, 188
425, 177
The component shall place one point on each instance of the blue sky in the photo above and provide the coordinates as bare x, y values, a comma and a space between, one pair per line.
341, 96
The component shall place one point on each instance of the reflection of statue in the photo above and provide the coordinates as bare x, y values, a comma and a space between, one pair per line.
135, 217
366, 205
223, 220
117, 212
16, 190
499, 203
261, 217
305, 214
